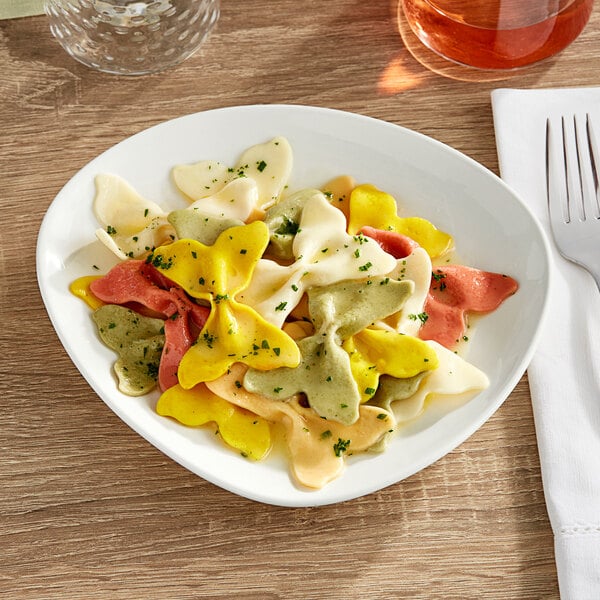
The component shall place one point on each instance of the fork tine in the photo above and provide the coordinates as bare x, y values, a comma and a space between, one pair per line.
567, 167
577, 193
573, 162
594, 162
556, 174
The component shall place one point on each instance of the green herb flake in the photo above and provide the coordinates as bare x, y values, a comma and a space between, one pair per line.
421, 316
287, 227
158, 261
152, 370
209, 339
341, 446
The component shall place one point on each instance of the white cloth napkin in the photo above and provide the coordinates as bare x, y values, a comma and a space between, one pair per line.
564, 375
12, 9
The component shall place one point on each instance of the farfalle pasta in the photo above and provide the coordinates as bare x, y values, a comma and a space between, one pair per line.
318, 315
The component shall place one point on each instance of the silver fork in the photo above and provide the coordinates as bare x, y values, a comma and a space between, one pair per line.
572, 173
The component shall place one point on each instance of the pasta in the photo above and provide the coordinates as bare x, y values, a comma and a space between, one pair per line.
320, 313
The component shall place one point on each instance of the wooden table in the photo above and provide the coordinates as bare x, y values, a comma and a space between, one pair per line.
91, 510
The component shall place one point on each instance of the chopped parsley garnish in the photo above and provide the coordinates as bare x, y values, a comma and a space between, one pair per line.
209, 339
157, 261
341, 446
152, 370
287, 227
421, 316
438, 276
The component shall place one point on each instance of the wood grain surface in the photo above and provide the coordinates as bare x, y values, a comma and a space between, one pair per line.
90, 510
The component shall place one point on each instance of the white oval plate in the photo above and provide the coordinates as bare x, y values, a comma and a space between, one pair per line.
492, 228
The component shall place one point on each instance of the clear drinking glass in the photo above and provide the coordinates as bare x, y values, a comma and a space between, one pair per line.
496, 34
131, 37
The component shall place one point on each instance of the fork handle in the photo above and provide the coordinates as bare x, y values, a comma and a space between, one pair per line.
596, 275
594, 271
